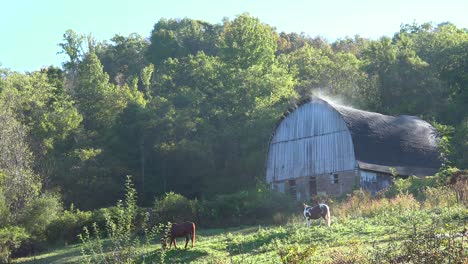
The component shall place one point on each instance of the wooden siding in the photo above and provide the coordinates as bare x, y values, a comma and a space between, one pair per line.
312, 140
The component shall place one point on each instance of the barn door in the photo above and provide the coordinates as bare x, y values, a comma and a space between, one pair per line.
312, 186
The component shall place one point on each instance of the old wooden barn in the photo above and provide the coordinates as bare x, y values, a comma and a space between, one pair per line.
321, 147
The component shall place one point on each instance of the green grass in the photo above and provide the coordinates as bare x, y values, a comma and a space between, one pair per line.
261, 244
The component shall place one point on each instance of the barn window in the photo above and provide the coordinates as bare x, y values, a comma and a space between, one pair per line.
334, 178
292, 187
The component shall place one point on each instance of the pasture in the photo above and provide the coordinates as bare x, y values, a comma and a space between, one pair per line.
375, 233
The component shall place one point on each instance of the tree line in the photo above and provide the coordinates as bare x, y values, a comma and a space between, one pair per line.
191, 108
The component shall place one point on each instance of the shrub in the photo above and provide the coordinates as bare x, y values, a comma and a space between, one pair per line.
4, 212
292, 254
68, 226
120, 227
37, 215
352, 253
459, 183
175, 208
422, 245
11, 239
441, 196
255, 206
361, 203
413, 185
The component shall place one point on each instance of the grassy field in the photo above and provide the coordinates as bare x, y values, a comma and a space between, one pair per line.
352, 238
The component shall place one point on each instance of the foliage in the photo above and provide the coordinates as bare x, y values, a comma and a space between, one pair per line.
10, 239
352, 253
362, 204
124, 58
68, 226
176, 38
206, 96
413, 185
380, 230
175, 208
255, 206
191, 111
295, 254
124, 244
423, 245
39, 214
247, 42
459, 183
120, 230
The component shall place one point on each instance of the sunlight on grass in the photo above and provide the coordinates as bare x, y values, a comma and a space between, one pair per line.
260, 244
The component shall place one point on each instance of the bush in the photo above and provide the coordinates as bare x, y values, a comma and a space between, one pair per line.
175, 208
37, 215
292, 254
11, 239
352, 253
4, 212
413, 185
459, 183
441, 196
256, 206
361, 203
68, 226
422, 245
120, 230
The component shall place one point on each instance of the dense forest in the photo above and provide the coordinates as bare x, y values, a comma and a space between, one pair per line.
191, 107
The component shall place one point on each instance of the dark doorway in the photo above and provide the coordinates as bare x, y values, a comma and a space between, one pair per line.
312, 186
292, 188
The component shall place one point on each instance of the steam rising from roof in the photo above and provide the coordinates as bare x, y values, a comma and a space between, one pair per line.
407, 143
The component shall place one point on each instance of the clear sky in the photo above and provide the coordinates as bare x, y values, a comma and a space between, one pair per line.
31, 29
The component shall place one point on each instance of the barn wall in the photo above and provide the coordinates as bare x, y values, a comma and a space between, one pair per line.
374, 181
344, 182
312, 140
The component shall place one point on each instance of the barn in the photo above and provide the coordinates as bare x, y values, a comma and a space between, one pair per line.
319, 147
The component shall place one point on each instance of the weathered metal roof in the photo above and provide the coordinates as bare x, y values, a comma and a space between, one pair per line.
406, 143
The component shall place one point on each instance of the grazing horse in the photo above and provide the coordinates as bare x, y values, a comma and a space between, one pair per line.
320, 210
185, 229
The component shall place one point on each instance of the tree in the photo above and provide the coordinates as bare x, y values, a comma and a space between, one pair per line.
246, 42
176, 38
97, 99
46, 111
19, 185
73, 46
124, 58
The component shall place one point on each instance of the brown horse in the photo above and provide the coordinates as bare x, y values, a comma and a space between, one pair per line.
321, 210
185, 229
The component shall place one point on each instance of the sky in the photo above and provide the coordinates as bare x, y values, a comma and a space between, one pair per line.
31, 29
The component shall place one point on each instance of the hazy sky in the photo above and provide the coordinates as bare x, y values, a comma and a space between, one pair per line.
31, 29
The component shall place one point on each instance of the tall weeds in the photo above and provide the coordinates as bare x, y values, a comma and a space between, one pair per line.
123, 244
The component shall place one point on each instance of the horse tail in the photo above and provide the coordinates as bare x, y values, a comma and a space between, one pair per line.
327, 216
193, 233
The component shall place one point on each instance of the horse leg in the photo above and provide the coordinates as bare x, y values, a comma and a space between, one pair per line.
326, 220
328, 217
186, 240
175, 244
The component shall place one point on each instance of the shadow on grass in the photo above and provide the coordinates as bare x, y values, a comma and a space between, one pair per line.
236, 248
69, 254
184, 255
